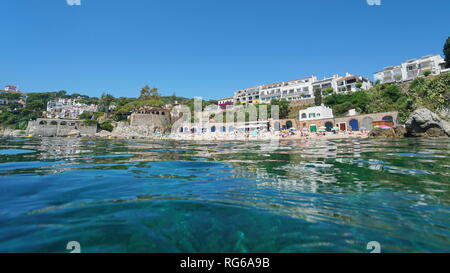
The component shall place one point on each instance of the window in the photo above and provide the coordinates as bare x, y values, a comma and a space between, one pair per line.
312, 115
303, 115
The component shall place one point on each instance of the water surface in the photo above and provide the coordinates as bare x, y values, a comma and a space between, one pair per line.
182, 196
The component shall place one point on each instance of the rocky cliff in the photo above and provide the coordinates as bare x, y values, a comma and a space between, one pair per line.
424, 123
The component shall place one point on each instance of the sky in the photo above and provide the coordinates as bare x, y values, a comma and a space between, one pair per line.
207, 48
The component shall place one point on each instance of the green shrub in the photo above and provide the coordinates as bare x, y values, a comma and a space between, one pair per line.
427, 73
107, 126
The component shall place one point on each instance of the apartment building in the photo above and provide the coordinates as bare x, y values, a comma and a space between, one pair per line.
247, 96
290, 90
411, 69
342, 85
226, 102
300, 89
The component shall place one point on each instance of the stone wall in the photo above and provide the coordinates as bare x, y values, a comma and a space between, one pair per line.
157, 121
302, 102
60, 127
358, 121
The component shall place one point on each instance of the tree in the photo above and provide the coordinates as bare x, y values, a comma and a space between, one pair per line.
358, 85
328, 91
283, 107
317, 97
447, 52
105, 102
148, 92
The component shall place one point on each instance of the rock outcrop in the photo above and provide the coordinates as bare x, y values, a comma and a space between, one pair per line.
74, 133
13, 133
125, 130
425, 123
395, 132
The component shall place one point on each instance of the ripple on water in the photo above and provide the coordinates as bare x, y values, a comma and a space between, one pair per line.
187, 196
15, 151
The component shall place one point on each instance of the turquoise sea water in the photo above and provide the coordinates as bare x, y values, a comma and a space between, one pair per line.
181, 196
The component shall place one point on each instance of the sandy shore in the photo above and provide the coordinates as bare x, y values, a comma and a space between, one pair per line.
265, 136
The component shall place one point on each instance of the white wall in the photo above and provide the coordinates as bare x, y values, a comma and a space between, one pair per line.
316, 112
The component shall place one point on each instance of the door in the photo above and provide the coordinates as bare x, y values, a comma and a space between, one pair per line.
313, 128
342, 126
354, 125
289, 124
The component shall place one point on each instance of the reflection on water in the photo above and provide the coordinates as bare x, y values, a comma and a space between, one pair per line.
182, 196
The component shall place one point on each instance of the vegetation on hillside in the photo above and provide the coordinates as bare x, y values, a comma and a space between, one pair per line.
430, 92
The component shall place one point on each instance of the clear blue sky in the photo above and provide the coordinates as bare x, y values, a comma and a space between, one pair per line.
207, 48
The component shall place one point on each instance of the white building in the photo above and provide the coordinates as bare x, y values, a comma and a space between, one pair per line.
301, 88
316, 112
342, 85
247, 96
11, 89
411, 69
290, 90
225, 103
68, 108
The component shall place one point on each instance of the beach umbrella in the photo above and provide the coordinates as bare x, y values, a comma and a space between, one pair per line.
335, 129
322, 130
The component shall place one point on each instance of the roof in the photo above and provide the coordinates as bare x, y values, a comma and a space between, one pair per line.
269, 84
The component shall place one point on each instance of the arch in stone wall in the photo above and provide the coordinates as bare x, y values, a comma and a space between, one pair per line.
328, 126
289, 124
213, 129
277, 126
367, 123
388, 118
53, 123
43, 122
63, 123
